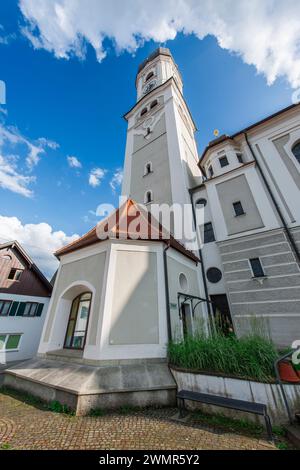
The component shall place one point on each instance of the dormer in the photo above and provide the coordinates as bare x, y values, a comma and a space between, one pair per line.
222, 155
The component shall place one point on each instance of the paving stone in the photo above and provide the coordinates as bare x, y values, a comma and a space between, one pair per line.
24, 426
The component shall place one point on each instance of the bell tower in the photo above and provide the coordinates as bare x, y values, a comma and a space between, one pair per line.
156, 70
161, 153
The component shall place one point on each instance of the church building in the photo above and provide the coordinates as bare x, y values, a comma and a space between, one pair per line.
119, 299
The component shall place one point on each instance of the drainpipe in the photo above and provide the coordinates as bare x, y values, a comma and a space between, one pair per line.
279, 212
167, 293
200, 256
208, 303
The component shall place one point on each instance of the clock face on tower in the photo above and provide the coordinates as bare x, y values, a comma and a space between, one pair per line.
149, 86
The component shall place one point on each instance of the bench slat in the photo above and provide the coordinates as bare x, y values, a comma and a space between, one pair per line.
225, 402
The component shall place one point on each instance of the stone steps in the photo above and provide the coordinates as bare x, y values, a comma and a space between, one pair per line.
83, 387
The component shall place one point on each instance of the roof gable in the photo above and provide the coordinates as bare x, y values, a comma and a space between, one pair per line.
28, 262
129, 222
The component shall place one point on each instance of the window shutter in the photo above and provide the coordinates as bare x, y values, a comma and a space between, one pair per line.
21, 309
39, 310
13, 309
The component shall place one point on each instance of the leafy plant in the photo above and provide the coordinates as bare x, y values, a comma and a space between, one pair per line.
5, 446
282, 445
58, 407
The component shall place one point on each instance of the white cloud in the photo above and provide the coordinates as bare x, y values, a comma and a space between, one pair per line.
48, 143
12, 180
96, 176
74, 162
34, 149
39, 240
116, 180
5, 38
265, 33
13, 175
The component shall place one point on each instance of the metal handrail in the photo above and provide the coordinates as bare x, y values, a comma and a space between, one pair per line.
280, 383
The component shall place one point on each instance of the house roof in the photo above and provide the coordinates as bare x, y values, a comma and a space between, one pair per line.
14, 244
225, 137
128, 222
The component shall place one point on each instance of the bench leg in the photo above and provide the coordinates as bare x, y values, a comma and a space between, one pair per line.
181, 407
269, 427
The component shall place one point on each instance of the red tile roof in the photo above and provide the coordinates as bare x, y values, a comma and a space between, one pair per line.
128, 222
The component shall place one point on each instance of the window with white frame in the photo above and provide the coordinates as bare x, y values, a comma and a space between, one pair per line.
148, 197
149, 76
20, 309
256, 267
223, 161
30, 309
238, 208
9, 341
148, 169
210, 171
153, 104
5, 307
239, 157
15, 274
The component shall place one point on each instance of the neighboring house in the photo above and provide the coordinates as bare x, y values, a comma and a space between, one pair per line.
24, 299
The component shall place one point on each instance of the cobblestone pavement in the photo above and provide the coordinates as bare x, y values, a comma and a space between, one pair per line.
24, 426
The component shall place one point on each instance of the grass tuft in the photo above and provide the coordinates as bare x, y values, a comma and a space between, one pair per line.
5, 446
58, 407
97, 412
249, 357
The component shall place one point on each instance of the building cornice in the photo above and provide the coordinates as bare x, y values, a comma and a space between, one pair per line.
264, 121
214, 178
152, 93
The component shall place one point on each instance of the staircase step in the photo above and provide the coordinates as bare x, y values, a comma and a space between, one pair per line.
293, 434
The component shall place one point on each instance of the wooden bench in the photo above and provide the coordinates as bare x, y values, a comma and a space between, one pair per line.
224, 402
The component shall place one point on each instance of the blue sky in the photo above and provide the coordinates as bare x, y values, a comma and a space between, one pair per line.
78, 103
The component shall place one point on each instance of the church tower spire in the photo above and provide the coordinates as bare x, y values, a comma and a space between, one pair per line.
156, 70
161, 153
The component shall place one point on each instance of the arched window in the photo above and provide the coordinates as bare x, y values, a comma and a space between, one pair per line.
148, 168
144, 111
78, 322
183, 282
149, 76
148, 197
153, 104
296, 151
201, 202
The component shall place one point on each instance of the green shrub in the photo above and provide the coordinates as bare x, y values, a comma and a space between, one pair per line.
57, 407
96, 412
250, 357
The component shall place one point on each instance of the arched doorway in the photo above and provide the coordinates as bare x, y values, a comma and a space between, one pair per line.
78, 322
